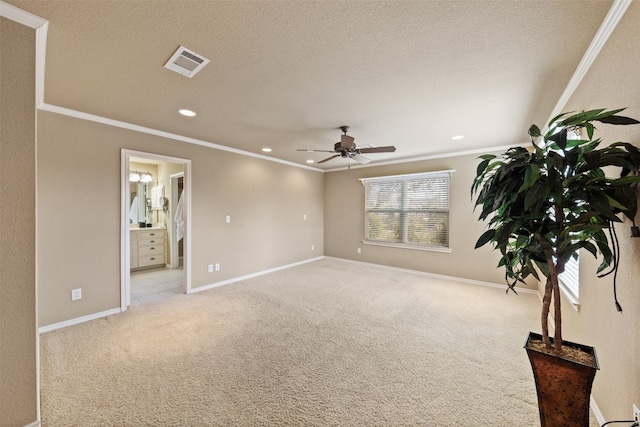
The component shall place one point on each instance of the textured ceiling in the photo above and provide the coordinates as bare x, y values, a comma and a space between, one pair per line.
287, 74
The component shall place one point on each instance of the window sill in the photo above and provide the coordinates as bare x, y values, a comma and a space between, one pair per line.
572, 299
401, 246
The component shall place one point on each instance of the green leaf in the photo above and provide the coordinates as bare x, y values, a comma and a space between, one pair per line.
531, 176
533, 271
533, 195
593, 159
482, 167
553, 122
607, 255
560, 138
626, 195
615, 204
591, 248
590, 128
582, 117
608, 113
534, 131
618, 120
543, 267
486, 237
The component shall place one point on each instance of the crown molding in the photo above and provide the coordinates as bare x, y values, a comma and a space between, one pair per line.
137, 128
20, 16
41, 26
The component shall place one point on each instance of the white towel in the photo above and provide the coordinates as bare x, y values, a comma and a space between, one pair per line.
134, 211
179, 220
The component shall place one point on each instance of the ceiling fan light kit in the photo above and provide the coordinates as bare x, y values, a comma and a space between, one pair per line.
347, 149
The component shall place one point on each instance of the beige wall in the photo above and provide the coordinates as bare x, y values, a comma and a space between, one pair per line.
18, 340
612, 82
344, 223
79, 220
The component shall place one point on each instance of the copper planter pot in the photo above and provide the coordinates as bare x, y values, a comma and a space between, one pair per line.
564, 386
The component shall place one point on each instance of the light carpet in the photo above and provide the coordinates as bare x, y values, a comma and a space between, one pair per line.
329, 343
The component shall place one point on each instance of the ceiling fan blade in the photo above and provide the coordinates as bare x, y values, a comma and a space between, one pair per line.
308, 150
346, 141
329, 158
388, 149
360, 159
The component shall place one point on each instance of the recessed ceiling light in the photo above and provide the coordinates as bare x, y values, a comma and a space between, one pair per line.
186, 112
310, 161
457, 137
267, 150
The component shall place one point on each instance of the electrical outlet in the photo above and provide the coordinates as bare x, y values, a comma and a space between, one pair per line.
210, 268
76, 294
313, 248
359, 250
636, 413
217, 267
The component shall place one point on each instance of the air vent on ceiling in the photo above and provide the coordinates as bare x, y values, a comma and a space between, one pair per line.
186, 62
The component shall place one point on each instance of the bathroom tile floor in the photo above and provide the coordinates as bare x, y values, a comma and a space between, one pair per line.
156, 284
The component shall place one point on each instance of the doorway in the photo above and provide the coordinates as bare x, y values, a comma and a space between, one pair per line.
176, 253
148, 226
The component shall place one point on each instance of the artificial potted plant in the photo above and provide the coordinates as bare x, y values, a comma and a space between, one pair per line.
542, 205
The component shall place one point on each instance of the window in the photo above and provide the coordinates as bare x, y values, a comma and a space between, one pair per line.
408, 210
570, 278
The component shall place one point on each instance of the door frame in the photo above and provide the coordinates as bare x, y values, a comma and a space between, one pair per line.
125, 236
174, 260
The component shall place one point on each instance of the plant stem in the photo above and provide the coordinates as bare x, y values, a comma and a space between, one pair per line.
554, 271
544, 318
552, 288
557, 330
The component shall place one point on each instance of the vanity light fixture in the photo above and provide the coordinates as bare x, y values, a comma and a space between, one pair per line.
135, 176
187, 113
267, 150
310, 161
146, 177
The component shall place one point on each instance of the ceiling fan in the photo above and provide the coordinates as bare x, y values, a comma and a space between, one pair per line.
347, 148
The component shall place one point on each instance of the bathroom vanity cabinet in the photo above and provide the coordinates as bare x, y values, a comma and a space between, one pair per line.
147, 248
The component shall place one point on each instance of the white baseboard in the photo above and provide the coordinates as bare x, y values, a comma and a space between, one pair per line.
78, 320
87, 318
249, 276
439, 276
33, 424
596, 411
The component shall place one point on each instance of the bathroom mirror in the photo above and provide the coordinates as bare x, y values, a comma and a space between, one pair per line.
140, 203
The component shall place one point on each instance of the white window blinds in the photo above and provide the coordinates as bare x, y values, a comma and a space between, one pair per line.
408, 210
570, 278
